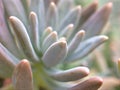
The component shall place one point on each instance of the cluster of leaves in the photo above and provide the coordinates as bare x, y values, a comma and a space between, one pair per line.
49, 35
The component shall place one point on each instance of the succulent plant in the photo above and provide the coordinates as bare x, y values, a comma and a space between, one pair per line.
46, 35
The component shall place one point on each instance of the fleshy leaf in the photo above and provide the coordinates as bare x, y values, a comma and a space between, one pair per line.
52, 16
55, 53
47, 3
5, 37
45, 33
87, 12
67, 31
17, 11
90, 84
49, 41
34, 30
23, 40
71, 74
7, 62
75, 41
94, 25
26, 5
64, 6
38, 7
86, 47
71, 18
22, 76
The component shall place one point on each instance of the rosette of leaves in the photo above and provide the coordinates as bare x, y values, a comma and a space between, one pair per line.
46, 34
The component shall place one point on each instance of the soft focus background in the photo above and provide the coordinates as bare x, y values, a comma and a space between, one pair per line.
104, 59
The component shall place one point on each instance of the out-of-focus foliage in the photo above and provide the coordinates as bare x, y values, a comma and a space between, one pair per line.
105, 59
83, 2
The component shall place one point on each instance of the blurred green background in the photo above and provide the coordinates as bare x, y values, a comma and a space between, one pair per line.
104, 59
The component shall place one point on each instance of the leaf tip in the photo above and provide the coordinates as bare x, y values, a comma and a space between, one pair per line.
109, 5
81, 32
63, 44
105, 38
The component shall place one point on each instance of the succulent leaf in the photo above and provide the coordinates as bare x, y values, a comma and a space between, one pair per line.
7, 62
5, 36
37, 6
22, 76
72, 17
90, 84
86, 47
64, 6
87, 12
34, 30
67, 32
75, 41
22, 37
55, 53
70, 74
49, 40
52, 16
97, 21
46, 32
26, 5
16, 11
